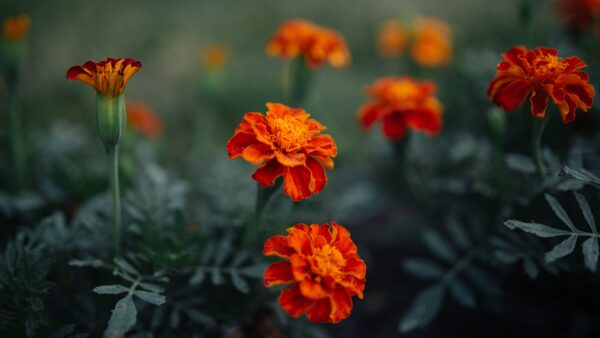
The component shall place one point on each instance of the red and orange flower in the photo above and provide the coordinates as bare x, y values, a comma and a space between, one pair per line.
316, 44
108, 77
543, 74
579, 15
215, 56
142, 118
392, 39
286, 142
432, 45
401, 103
323, 268
15, 28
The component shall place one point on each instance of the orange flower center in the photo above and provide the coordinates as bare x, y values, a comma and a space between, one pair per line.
289, 134
328, 261
547, 66
404, 91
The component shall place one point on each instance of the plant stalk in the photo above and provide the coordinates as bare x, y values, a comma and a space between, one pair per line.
113, 155
16, 137
537, 146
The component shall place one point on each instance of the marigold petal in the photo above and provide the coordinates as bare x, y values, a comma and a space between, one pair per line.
539, 103
513, 94
278, 273
293, 302
268, 173
257, 153
368, 114
312, 289
297, 182
355, 267
238, 142
394, 126
278, 246
341, 305
258, 123
320, 311
318, 175
300, 241
290, 159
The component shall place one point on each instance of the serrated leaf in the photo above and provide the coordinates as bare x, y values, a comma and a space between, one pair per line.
459, 236
423, 309
562, 249
585, 210
423, 268
530, 268
151, 287
239, 282
150, 297
439, 246
238, 259
583, 175
110, 289
462, 293
254, 271
520, 163
217, 277
590, 253
198, 277
482, 280
123, 318
560, 212
537, 229
125, 266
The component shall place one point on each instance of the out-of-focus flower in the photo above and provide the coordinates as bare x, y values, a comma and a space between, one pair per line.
543, 74
579, 14
323, 268
142, 118
286, 142
432, 45
392, 39
15, 28
108, 77
400, 103
215, 56
316, 44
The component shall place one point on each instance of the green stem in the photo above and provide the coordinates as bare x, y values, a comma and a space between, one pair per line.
299, 79
16, 137
113, 155
537, 147
263, 196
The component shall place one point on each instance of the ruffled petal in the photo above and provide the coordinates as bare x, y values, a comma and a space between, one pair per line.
513, 94
341, 305
394, 126
278, 273
293, 302
278, 246
318, 176
268, 173
297, 183
238, 142
290, 159
257, 153
539, 103
320, 311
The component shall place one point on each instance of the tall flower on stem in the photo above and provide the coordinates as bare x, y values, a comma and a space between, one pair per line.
541, 75
311, 46
109, 78
322, 267
14, 33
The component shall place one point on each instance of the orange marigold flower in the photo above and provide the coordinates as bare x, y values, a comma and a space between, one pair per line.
108, 77
543, 74
324, 270
215, 56
315, 43
287, 143
142, 118
579, 14
432, 45
392, 39
401, 102
15, 28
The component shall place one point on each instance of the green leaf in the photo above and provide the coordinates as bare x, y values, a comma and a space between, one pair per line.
198, 277
239, 282
458, 234
585, 210
110, 289
123, 318
439, 246
423, 268
423, 309
560, 212
254, 271
123, 265
583, 175
462, 293
150, 297
152, 287
561, 249
217, 277
536, 228
530, 268
200, 317
520, 163
482, 280
590, 253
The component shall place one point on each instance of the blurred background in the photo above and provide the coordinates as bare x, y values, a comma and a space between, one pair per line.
200, 110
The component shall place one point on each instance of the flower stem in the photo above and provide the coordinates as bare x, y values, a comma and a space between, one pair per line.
299, 79
113, 154
16, 137
537, 147
263, 196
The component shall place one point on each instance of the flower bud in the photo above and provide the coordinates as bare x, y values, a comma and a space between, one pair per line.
497, 120
110, 118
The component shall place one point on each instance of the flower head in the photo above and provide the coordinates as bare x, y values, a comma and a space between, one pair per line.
432, 45
108, 77
316, 44
543, 74
143, 119
323, 270
214, 56
400, 103
392, 39
579, 15
286, 142
15, 28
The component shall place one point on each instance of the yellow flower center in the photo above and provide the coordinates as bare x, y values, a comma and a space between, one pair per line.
403, 91
289, 133
548, 65
328, 261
